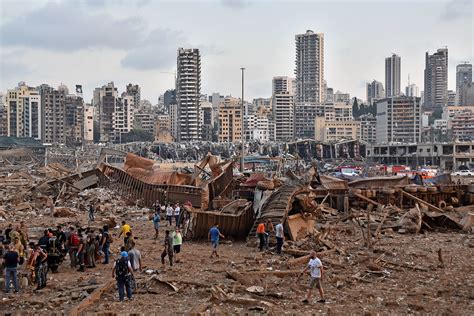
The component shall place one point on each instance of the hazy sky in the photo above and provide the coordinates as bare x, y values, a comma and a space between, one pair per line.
92, 42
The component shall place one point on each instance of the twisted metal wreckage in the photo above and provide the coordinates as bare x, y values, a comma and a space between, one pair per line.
212, 193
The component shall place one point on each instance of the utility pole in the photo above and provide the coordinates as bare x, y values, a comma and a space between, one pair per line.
242, 126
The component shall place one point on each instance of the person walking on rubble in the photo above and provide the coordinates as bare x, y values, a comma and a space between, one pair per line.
105, 242
73, 244
81, 251
90, 251
269, 230
11, 260
169, 214
176, 213
126, 228
91, 213
316, 274
41, 267
214, 235
280, 237
156, 223
168, 249
122, 272
177, 242
261, 235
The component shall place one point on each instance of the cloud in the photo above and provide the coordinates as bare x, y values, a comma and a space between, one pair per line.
12, 70
159, 50
457, 9
66, 27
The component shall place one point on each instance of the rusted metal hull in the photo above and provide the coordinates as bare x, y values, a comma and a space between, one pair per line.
231, 225
147, 194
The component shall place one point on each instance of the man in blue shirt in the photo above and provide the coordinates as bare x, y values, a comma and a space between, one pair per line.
213, 236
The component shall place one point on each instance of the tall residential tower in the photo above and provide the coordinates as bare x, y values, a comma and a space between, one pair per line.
436, 80
392, 75
309, 69
188, 93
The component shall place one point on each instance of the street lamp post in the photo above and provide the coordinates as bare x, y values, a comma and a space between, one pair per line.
242, 126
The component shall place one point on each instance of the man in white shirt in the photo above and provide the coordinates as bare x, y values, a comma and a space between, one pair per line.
169, 214
280, 237
177, 211
316, 271
135, 258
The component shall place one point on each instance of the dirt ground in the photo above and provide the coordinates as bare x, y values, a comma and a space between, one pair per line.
402, 275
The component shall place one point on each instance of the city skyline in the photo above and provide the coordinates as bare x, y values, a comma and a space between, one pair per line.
124, 47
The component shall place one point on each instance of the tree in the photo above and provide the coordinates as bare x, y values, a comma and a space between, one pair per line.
355, 108
137, 135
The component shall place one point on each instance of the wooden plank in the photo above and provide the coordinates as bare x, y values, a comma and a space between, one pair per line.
92, 298
412, 197
360, 196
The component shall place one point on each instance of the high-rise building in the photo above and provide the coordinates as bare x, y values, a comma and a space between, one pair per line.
23, 105
392, 75
89, 123
368, 126
123, 116
463, 76
53, 103
329, 95
74, 120
283, 84
3, 116
230, 120
62, 116
412, 90
105, 102
342, 97
305, 115
436, 80
451, 98
466, 97
188, 93
169, 98
134, 91
309, 69
375, 91
398, 120
206, 117
284, 115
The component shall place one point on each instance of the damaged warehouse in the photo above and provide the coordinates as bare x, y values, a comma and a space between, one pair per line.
379, 238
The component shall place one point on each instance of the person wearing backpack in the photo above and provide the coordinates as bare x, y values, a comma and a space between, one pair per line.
73, 245
122, 272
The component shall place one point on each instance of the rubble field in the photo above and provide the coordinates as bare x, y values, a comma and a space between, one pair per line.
389, 244
429, 272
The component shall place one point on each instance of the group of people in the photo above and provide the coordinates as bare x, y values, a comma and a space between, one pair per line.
17, 251
265, 231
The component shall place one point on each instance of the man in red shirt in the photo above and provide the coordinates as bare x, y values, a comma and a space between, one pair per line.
261, 235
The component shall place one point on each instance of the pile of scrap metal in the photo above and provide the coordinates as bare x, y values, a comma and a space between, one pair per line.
299, 201
142, 180
235, 219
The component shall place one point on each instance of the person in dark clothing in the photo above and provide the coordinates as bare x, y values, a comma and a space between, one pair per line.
81, 251
122, 272
91, 213
105, 244
11, 260
43, 242
41, 267
168, 249
9, 229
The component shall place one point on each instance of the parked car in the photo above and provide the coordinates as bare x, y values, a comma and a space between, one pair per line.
463, 173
